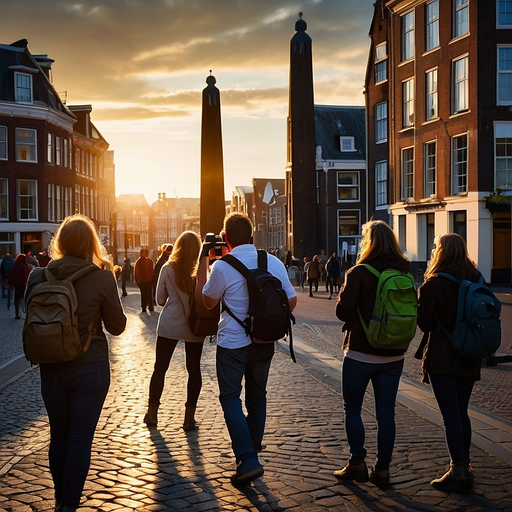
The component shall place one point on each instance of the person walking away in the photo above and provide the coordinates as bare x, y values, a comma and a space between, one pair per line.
143, 275
18, 277
74, 391
303, 272
313, 273
333, 272
451, 376
5, 268
163, 258
362, 363
175, 288
125, 275
238, 358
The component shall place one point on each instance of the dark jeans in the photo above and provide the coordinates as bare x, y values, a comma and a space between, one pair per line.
146, 296
452, 395
74, 398
385, 378
164, 351
313, 281
19, 292
233, 365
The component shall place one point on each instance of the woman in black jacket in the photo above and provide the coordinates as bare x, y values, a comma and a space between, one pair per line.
452, 376
362, 363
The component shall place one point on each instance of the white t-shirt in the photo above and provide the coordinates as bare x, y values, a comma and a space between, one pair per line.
225, 282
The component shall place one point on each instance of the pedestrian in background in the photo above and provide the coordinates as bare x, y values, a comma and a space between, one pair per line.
362, 363
125, 275
163, 258
74, 391
238, 359
5, 268
451, 376
313, 272
143, 275
333, 272
18, 277
174, 291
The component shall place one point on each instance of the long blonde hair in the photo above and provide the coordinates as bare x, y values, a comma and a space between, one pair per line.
184, 260
450, 255
77, 236
378, 240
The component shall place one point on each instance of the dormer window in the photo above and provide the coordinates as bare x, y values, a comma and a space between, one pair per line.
23, 88
347, 144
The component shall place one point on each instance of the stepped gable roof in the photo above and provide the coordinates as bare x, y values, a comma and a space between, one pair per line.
333, 122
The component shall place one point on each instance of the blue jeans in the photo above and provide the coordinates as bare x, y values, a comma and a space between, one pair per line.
233, 365
74, 398
385, 378
452, 395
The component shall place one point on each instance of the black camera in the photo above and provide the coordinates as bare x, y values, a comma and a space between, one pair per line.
216, 242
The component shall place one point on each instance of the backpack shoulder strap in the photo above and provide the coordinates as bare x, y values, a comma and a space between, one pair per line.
449, 276
75, 276
373, 270
236, 263
262, 259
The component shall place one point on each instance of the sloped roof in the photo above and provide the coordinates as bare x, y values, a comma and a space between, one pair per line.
333, 122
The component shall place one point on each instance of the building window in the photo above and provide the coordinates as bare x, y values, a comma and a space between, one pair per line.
460, 85
460, 164
504, 79
429, 171
460, 17
347, 144
381, 63
432, 20
23, 87
58, 151
407, 173
3, 142
402, 231
4, 196
26, 150
27, 199
504, 13
408, 36
348, 186
458, 223
381, 122
503, 154
431, 89
49, 151
381, 183
349, 224
408, 103
65, 153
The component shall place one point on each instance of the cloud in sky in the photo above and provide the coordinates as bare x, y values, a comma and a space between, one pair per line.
142, 65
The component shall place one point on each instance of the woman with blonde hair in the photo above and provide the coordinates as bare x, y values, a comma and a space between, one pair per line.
74, 391
451, 376
363, 363
174, 290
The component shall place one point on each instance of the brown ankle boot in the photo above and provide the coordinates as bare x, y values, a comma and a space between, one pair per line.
151, 417
189, 422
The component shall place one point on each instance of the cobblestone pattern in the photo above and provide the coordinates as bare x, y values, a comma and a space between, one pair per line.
134, 468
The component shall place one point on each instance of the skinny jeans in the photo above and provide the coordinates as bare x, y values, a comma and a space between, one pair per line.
74, 397
385, 378
452, 395
164, 351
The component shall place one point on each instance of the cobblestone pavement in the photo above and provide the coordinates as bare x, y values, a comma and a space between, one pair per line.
134, 468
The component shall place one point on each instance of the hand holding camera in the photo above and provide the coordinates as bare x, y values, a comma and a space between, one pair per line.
214, 247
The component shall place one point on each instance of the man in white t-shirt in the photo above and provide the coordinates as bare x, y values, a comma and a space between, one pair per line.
238, 358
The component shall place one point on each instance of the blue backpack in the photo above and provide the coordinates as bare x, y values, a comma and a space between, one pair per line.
477, 332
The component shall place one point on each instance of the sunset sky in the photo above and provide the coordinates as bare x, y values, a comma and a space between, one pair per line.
142, 65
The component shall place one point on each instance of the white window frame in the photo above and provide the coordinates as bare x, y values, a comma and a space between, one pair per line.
4, 199
460, 18
3, 143
381, 184
432, 25
347, 144
459, 164
50, 148
429, 168
381, 122
23, 88
408, 103
503, 158
432, 96
504, 78
407, 164
460, 85
347, 180
27, 202
408, 49
26, 140
381, 63
58, 150
504, 7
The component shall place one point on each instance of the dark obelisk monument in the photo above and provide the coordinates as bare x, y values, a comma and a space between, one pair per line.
212, 208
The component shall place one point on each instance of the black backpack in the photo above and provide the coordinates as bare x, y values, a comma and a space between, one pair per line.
268, 317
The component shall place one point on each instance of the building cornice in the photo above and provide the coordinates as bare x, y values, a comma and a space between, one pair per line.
17, 110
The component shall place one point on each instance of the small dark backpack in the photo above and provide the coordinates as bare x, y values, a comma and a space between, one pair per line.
269, 317
477, 332
50, 333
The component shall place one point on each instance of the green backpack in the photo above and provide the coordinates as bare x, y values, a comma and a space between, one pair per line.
394, 318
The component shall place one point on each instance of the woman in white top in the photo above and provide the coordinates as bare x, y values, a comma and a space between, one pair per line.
174, 290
